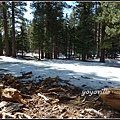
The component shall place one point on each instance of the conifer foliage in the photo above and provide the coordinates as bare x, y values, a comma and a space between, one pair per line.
92, 28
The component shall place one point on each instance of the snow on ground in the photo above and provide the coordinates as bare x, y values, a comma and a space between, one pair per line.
87, 75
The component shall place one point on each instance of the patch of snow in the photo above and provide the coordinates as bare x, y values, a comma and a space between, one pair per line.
87, 75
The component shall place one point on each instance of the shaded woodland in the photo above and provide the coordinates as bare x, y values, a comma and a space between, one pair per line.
91, 30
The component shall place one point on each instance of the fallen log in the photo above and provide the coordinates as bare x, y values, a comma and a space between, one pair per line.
28, 73
25, 75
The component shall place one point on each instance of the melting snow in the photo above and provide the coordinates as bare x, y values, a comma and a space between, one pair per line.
87, 75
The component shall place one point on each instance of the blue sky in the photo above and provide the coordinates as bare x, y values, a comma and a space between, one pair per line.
30, 16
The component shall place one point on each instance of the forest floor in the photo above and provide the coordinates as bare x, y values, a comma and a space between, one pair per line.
49, 97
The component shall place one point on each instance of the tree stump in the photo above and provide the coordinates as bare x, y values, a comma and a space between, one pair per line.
112, 97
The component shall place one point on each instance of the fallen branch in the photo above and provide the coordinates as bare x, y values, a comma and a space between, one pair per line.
18, 113
25, 75
63, 97
26, 96
28, 73
52, 93
84, 99
55, 101
96, 112
4, 114
29, 87
58, 89
45, 98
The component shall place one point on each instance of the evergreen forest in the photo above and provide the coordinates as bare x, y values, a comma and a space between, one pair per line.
91, 30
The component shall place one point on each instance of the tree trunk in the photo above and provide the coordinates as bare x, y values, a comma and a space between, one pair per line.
79, 56
1, 45
98, 42
22, 52
70, 47
42, 54
55, 52
13, 31
46, 55
50, 55
22, 42
39, 53
6, 29
48, 12
102, 58
83, 57
98, 32
84, 24
74, 48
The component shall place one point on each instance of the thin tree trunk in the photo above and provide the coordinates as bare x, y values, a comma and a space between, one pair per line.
83, 56
98, 42
97, 31
95, 34
6, 29
13, 31
48, 8
95, 24
22, 50
79, 56
39, 53
50, 54
74, 48
70, 47
55, 52
1, 45
46, 55
102, 58
22, 42
42, 53
84, 24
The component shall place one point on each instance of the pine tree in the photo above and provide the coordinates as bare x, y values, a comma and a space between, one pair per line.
16, 15
65, 37
4, 4
38, 24
85, 29
30, 36
22, 39
47, 31
110, 27
1, 44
